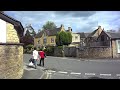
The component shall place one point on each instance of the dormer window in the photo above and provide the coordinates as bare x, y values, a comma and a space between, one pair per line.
38, 41
76, 37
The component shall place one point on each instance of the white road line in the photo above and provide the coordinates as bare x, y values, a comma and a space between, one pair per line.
75, 73
52, 71
49, 73
62, 72
89, 73
64, 58
117, 74
105, 74
42, 76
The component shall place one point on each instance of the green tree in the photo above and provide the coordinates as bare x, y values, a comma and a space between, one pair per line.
63, 38
49, 26
69, 36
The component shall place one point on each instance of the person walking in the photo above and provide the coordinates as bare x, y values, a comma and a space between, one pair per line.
42, 56
35, 57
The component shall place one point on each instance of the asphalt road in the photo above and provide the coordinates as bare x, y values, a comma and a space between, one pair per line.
71, 68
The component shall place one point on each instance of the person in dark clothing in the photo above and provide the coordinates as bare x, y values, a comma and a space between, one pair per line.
42, 56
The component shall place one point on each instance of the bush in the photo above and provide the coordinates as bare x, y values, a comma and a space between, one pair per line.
49, 50
28, 49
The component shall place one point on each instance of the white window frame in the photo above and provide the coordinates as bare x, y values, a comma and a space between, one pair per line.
52, 40
118, 46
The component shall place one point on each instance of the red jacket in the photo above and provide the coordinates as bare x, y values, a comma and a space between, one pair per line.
42, 54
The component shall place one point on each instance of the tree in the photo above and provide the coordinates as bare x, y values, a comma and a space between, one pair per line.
69, 36
49, 26
63, 38
27, 39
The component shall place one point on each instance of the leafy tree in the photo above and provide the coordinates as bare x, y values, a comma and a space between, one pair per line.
69, 37
27, 39
49, 26
63, 38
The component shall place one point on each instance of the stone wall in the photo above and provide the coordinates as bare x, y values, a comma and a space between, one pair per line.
70, 51
11, 61
94, 52
58, 52
11, 34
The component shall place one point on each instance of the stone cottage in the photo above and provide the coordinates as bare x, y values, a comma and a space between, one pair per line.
101, 44
11, 50
111, 40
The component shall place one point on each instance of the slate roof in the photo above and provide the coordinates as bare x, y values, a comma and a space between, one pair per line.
17, 24
48, 32
113, 35
91, 34
83, 35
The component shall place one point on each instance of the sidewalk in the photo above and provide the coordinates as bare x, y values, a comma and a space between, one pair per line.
31, 73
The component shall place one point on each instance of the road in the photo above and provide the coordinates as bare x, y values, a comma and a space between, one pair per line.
71, 68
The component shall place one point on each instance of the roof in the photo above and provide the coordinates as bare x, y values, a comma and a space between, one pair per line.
83, 35
17, 24
113, 35
86, 34
91, 34
48, 32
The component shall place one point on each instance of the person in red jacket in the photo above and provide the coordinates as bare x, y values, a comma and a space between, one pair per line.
42, 56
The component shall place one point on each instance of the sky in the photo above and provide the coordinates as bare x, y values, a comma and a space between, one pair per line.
79, 21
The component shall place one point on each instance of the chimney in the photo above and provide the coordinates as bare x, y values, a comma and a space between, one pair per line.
99, 27
69, 29
99, 30
62, 25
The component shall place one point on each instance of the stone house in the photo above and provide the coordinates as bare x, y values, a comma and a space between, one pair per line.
47, 37
11, 55
83, 36
91, 40
111, 40
102, 45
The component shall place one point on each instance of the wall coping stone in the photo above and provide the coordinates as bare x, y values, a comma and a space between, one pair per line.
12, 44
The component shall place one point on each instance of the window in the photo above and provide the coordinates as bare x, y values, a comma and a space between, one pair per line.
118, 46
76, 37
44, 40
52, 40
38, 41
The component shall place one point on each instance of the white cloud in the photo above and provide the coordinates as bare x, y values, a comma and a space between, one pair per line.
79, 21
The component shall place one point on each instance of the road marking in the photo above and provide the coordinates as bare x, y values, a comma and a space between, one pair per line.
47, 75
52, 71
117, 74
62, 72
42, 76
105, 74
64, 58
89, 73
75, 73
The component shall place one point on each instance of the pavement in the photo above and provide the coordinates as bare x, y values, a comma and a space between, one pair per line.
32, 73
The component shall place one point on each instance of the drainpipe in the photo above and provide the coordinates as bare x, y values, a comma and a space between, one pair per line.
111, 48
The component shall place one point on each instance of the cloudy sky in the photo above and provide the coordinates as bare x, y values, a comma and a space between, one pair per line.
79, 21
